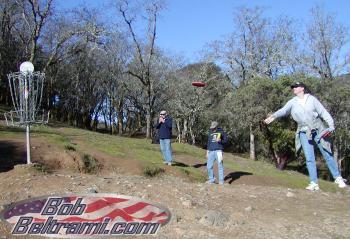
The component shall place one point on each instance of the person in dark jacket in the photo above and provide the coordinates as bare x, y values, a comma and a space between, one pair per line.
164, 127
216, 141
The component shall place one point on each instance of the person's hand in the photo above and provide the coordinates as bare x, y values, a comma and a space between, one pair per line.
207, 153
331, 129
161, 120
327, 132
220, 157
324, 134
269, 119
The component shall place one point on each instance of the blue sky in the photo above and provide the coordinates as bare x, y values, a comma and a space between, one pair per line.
187, 25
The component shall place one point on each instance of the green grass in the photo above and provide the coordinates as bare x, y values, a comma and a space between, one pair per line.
291, 178
186, 149
11, 132
194, 174
150, 157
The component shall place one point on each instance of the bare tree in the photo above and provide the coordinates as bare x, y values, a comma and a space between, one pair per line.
116, 55
35, 14
67, 34
193, 108
258, 47
325, 40
10, 46
144, 51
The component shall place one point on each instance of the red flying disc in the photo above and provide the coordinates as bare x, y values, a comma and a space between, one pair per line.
326, 134
198, 84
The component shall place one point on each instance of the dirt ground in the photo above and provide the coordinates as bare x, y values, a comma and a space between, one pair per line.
247, 206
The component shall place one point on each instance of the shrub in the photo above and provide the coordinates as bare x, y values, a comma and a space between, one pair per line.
41, 167
90, 164
153, 171
69, 147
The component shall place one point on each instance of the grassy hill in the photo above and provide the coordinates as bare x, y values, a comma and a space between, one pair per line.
58, 147
257, 201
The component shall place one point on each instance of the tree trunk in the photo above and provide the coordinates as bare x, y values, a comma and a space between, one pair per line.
148, 125
111, 125
49, 93
184, 131
95, 121
178, 130
70, 118
148, 111
105, 120
193, 137
87, 117
336, 154
128, 121
252, 143
120, 117
137, 125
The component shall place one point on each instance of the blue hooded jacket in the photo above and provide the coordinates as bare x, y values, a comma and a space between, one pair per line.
165, 129
212, 144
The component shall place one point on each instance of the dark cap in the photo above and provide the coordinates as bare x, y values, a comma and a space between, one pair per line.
297, 84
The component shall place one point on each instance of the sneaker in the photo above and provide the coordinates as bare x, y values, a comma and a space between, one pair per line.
169, 164
209, 182
340, 181
221, 183
313, 187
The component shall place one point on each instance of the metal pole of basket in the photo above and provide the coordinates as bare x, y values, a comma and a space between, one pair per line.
26, 91
27, 76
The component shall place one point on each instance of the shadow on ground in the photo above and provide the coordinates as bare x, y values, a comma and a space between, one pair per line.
198, 165
180, 164
11, 154
235, 175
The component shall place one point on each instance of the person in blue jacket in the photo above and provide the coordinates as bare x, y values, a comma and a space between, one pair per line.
164, 126
216, 141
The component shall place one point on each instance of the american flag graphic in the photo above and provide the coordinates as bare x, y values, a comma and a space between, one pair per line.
118, 208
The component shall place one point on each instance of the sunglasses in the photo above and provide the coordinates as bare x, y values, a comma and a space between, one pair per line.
296, 85
161, 114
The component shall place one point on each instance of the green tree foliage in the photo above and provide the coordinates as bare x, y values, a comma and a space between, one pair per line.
193, 108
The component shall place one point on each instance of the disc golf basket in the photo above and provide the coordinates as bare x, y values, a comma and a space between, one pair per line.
26, 89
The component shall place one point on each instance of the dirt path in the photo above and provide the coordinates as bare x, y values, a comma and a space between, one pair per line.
200, 210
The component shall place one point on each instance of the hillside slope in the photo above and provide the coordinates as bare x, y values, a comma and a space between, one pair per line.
257, 200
